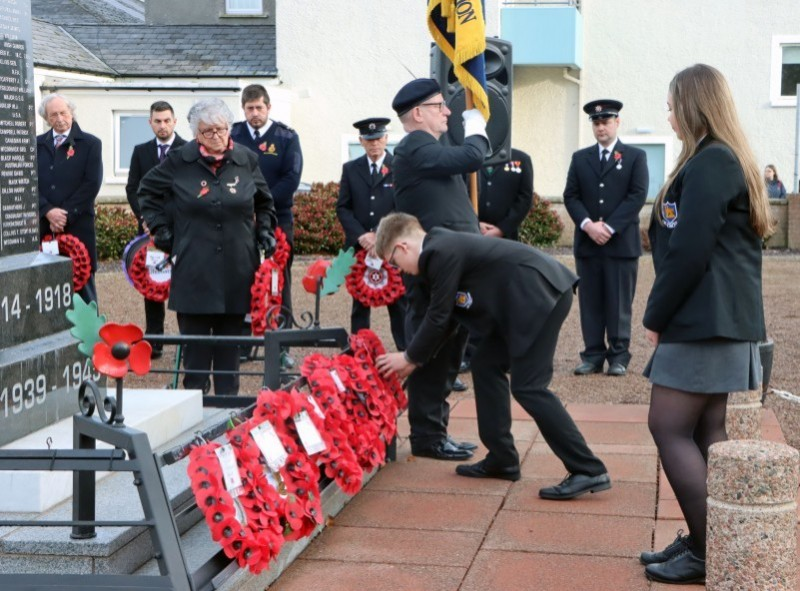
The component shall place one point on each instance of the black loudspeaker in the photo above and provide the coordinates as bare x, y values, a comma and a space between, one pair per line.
499, 84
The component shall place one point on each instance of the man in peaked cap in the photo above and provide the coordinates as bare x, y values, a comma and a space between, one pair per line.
606, 189
429, 185
366, 194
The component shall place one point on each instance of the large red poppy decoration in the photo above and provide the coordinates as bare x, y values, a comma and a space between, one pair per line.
374, 287
122, 348
72, 247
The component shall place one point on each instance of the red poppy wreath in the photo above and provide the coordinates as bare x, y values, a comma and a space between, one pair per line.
72, 247
374, 287
142, 279
265, 294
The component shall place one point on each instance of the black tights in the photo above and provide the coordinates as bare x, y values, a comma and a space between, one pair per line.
684, 425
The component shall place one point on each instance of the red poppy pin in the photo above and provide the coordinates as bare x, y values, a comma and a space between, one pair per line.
204, 190
263, 146
618, 159
384, 170
70, 151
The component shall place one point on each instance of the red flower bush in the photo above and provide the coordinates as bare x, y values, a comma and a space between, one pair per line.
72, 247
374, 287
316, 228
122, 348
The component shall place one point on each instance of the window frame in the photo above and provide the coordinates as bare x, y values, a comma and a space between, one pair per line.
776, 65
352, 140
244, 11
668, 141
122, 169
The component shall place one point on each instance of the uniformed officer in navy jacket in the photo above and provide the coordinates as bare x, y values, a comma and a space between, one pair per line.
505, 196
70, 167
281, 162
366, 194
606, 189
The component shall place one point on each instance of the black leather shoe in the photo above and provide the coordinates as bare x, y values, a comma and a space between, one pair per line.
480, 470
156, 353
673, 549
684, 568
616, 369
575, 485
459, 386
464, 367
586, 368
462, 444
442, 450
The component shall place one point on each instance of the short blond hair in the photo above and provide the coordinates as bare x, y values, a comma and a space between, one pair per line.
394, 227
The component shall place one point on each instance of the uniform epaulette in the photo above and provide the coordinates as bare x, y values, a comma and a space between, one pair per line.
283, 126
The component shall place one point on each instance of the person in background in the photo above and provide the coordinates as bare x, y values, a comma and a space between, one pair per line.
281, 162
208, 206
775, 188
429, 185
366, 194
146, 156
606, 189
70, 170
706, 230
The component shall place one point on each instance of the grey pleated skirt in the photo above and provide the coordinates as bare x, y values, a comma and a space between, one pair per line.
707, 367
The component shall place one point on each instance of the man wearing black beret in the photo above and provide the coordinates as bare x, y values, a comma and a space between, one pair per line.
606, 189
429, 185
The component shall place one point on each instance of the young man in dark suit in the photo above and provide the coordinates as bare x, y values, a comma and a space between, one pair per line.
70, 167
429, 185
519, 326
281, 162
366, 194
606, 189
146, 156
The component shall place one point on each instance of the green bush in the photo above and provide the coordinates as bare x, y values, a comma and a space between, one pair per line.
316, 228
542, 226
115, 227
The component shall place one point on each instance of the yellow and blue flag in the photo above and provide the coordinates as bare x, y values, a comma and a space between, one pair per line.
459, 29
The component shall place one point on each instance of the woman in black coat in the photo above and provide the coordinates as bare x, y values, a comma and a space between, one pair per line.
221, 210
705, 313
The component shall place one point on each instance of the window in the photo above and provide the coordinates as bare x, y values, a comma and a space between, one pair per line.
353, 149
243, 7
785, 72
131, 129
659, 159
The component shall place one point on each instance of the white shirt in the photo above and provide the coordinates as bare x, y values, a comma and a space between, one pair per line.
168, 143
65, 134
379, 162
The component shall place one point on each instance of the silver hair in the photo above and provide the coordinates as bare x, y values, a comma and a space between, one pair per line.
210, 111
46, 100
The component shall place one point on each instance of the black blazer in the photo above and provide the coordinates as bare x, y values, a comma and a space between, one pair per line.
428, 181
613, 196
708, 264
506, 193
144, 157
460, 273
70, 178
362, 204
280, 160
211, 216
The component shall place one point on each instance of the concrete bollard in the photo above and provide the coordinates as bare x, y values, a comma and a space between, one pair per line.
743, 420
786, 407
752, 516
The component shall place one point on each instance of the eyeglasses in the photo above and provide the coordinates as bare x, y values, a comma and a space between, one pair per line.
440, 104
210, 133
391, 262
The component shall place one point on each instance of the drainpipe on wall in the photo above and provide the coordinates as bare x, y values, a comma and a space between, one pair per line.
577, 81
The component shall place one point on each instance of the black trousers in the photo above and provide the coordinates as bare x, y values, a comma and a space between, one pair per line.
428, 386
154, 314
201, 357
605, 294
531, 374
359, 318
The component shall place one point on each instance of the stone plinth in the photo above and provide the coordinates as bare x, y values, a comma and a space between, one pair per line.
744, 415
752, 515
786, 407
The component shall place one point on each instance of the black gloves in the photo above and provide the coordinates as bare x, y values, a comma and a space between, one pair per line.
266, 240
163, 240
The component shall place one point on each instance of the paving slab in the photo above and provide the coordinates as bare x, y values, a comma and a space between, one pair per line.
609, 413
542, 463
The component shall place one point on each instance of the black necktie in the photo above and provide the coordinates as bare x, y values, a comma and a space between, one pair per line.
256, 135
374, 173
162, 151
603, 159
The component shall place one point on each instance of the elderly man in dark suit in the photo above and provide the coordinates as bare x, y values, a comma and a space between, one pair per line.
429, 185
606, 189
146, 156
366, 194
70, 167
519, 325
281, 162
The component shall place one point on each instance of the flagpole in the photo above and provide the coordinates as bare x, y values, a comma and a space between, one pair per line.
473, 176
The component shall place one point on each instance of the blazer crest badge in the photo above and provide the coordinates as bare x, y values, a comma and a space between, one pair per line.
463, 299
669, 213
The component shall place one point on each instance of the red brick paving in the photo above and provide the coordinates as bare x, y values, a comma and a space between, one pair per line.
419, 526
